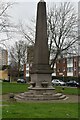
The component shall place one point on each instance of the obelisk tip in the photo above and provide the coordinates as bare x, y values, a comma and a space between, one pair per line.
41, 0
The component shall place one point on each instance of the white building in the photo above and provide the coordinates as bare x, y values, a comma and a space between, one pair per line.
3, 57
27, 70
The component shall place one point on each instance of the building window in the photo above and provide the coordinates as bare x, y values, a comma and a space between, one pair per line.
54, 70
63, 60
70, 69
59, 70
64, 69
27, 72
69, 61
27, 66
74, 69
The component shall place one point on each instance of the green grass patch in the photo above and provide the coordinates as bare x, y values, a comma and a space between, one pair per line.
68, 90
40, 110
37, 109
13, 88
17, 88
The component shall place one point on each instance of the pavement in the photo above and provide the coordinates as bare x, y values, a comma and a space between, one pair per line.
69, 99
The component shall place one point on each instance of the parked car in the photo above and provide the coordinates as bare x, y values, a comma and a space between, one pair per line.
58, 82
5, 80
21, 81
72, 83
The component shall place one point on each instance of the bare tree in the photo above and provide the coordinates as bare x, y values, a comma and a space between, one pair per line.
13, 71
62, 29
5, 24
27, 32
18, 55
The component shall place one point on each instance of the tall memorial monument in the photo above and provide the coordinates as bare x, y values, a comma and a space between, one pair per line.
41, 87
41, 71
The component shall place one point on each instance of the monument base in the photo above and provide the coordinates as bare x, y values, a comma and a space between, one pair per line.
31, 96
39, 94
40, 90
41, 80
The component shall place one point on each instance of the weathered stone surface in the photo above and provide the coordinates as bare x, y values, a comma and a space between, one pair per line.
41, 87
41, 53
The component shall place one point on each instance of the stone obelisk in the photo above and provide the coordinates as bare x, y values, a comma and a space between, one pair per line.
41, 71
41, 87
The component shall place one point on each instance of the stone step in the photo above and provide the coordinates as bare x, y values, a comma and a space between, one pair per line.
17, 99
19, 96
57, 94
35, 98
38, 95
47, 93
30, 96
44, 96
65, 98
62, 97
22, 94
28, 93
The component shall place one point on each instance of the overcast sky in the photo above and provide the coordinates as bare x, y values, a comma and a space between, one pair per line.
45, 0
25, 10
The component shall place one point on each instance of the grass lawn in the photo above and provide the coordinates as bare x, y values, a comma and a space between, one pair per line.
40, 110
37, 109
13, 88
17, 88
68, 90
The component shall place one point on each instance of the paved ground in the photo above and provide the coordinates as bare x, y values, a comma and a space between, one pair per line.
70, 98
